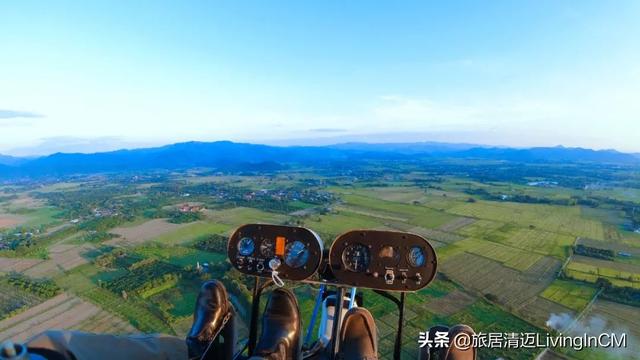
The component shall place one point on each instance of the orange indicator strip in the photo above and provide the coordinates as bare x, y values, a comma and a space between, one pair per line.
280, 240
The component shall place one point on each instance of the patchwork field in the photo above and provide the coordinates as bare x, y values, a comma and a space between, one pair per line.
623, 252
383, 216
61, 312
132, 235
23, 201
563, 220
538, 310
480, 228
590, 269
610, 245
35, 217
436, 238
451, 303
619, 268
400, 194
538, 241
509, 287
456, 224
180, 255
14, 300
11, 220
619, 317
607, 317
61, 258
499, 261
506, 255
332, 225
415, 214
191, 231
135, 311
242, 215
571, 294
16, 264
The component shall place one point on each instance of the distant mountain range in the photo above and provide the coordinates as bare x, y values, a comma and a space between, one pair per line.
230, 155
12, 160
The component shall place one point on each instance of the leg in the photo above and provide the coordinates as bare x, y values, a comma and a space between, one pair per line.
451, 351
358, 336
76, 345
430, 352
281, 337
213, 324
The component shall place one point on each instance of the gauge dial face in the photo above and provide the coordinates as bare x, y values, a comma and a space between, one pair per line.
416, 257
389, 256
356, 257
246, 246
296, 254
267, 248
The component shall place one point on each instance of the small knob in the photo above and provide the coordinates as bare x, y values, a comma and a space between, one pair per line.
389, 277
274, 264
9, 350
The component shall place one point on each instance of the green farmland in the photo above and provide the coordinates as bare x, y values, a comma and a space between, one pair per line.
505, 250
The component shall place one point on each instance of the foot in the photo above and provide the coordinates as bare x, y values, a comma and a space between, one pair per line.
453, 352
212, 316
429, 352
281, 328
358, 336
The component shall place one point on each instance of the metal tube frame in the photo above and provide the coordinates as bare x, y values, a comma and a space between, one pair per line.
258, 288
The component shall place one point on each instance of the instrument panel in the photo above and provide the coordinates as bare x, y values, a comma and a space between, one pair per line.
258, 249
384, 260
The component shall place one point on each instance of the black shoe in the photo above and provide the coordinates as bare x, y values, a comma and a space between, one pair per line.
454, 352
431, 352
213, 324
358, 336
281, 328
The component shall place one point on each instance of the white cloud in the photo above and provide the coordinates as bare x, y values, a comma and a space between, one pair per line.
12, 114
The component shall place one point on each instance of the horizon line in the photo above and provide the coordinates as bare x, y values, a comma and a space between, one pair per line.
274, 143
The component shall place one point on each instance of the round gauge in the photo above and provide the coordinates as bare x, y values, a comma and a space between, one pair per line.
267, 248
416, 257
246, 246
296, 254
356, 257
389, 256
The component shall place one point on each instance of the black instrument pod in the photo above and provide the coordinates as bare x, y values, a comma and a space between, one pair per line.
383, 260
259, 249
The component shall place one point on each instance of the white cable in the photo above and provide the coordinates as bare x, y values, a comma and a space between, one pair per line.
274, 264
276, 279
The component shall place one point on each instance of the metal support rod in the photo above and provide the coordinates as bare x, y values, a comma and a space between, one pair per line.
316, 308
255, 310
337, 322
400, 304
398, 345
255, 307
352, 298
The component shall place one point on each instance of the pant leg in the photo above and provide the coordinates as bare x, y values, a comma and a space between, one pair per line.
76, 345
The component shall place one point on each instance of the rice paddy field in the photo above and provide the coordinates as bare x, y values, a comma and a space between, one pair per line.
62, 312
563, 220
589, 270
573, 295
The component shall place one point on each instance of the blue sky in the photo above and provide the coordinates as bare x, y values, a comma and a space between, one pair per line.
98, 75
